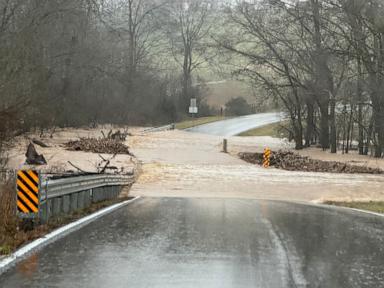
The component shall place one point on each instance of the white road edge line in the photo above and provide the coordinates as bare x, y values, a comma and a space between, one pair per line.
340, 208
356, 210
59, 233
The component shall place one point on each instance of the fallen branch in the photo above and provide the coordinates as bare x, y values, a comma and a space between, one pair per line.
40, 143
73, 165
105, 167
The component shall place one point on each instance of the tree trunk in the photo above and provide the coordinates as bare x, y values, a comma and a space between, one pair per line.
299, 132
360, 107
349, 131
310, 124
379, 129
369, 137
324, 126
298, 137
332, 119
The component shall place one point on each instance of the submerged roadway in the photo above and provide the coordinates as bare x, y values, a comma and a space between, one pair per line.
181, 242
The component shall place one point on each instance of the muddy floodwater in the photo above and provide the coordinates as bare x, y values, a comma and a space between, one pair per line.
182, 164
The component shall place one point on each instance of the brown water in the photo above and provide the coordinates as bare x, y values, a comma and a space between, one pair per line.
180, 164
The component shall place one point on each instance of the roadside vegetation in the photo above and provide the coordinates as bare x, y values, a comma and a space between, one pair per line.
373, 206
238, 107
8, 219
322, 62
276, 130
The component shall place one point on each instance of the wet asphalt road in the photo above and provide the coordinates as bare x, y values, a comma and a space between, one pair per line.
235, 126
174, 242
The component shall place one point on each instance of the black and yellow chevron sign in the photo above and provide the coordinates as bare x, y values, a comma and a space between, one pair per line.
27, 191
267, 157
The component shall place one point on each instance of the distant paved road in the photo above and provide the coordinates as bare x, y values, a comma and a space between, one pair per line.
174, 242
235, 126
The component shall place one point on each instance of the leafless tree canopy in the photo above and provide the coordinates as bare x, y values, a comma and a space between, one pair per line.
82, 62
322, 59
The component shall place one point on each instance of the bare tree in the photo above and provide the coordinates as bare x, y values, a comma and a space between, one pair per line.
188, 30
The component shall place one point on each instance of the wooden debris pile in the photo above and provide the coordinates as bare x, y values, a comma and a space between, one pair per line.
104, 145
291, 161
118, 135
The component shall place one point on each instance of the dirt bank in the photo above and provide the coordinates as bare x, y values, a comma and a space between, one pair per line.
57, 154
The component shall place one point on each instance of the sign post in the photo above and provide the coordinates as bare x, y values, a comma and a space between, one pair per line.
267, 158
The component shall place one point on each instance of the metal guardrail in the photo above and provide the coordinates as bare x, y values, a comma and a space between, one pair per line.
61, 187
161, 128
66, 195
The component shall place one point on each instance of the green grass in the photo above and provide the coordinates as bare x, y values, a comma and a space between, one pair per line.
374, 206
273, 130
197, 121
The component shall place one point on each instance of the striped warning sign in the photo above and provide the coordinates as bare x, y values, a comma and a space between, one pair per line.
267, 157
27, 191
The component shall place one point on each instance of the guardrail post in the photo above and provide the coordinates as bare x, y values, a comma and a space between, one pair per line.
87, 198
49, 209
225, 146
74, 197
66, 204
80, 200
43, 212
56, 206
94, 195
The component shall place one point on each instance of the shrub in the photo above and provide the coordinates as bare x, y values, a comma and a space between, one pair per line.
237, 107
8, 219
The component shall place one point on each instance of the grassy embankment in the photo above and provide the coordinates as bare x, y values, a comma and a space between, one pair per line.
273, 130
374, 206
198, 121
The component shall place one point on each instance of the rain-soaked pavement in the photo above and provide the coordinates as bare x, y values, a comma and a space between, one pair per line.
235, 126
181, 242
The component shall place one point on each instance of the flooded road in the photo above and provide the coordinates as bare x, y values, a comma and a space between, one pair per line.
180, 242
182, 164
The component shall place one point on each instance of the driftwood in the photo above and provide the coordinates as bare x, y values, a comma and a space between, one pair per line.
106, 146
73, 165
52, 132
117, 136
101, 169
40, 143
33, 158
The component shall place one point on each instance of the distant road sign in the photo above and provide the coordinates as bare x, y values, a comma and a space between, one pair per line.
193, 107
193, 110
27, 184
